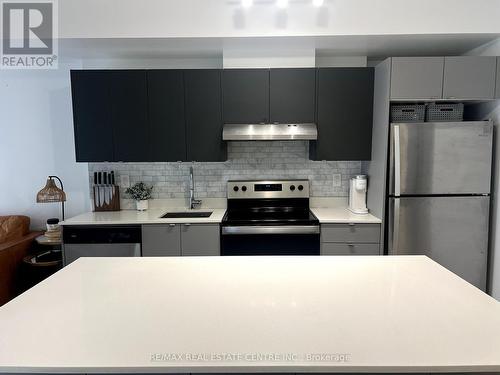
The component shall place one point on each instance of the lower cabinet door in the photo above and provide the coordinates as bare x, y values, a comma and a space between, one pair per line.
200, 239
350, 249
162, 240
350, 233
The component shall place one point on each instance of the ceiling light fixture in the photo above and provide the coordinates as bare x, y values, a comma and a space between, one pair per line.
246, 3
318, 3
281, 3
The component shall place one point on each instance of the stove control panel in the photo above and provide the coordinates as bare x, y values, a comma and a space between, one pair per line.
268, 189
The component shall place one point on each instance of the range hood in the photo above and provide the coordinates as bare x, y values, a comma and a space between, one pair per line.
269, 132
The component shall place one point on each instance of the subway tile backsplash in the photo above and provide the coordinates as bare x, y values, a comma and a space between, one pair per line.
246, 160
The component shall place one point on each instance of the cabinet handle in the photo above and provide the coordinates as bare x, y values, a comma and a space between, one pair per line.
171, 225
187, 224
350, 244
351, 224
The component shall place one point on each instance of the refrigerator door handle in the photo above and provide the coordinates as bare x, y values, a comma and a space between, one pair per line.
397, 162
395, 227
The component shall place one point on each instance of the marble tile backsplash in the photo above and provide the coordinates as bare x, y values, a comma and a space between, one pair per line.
246, 160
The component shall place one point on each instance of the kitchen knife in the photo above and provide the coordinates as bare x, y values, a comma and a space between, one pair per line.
101, 191
106, 188
113, 192
96, 191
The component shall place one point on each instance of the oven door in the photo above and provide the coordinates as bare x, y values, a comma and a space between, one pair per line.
270, 240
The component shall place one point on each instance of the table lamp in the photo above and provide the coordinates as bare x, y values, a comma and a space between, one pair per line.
51, 193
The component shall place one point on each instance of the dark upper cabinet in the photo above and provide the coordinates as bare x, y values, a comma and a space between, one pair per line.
178, 115
167, 130
129, 118
344, 114
91, 115
292, 95
203, 98
246, 96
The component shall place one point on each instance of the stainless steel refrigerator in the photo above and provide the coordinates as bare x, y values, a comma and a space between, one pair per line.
439, 194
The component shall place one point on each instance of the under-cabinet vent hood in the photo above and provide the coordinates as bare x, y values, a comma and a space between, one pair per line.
269, 132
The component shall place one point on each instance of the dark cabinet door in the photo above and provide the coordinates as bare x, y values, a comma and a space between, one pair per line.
345, 111
91, 115
246, 96
129, 115
167, 135
292, 95
204, 115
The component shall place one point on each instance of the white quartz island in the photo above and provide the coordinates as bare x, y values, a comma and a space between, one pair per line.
251, 314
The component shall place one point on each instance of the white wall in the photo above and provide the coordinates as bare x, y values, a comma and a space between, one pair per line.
153, 63
341, 61
492, 110
36, 140
269, 58
226, 18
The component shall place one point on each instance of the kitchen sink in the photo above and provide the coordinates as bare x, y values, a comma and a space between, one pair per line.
181, 215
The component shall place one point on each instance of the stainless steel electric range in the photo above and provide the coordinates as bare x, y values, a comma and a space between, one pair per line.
269, 218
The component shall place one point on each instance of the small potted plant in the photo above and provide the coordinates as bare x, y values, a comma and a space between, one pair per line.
141, 194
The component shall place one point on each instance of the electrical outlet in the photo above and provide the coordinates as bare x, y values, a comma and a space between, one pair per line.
337, 180
124, 180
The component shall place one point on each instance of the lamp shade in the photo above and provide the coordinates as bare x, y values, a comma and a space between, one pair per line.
50, 193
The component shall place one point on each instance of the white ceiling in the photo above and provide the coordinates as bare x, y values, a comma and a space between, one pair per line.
228, 19
372, 46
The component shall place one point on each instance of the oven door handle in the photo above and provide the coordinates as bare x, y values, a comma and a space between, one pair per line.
268, 229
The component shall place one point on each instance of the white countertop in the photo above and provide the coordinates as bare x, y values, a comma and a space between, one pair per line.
151, 216
342, 215
361, 314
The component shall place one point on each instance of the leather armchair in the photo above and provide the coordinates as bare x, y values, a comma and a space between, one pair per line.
15, 243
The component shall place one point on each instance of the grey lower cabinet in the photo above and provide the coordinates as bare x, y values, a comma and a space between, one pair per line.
469, 77
200, 240
350, 248
417, 78
350, 239
161, 240
180, 240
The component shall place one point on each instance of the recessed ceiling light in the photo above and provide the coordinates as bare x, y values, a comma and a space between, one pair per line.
246, 3
282, 3
318, 3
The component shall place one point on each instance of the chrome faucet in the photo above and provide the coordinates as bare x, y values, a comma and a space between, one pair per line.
193, 203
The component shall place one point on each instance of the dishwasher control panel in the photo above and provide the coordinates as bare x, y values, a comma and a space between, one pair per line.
105, 234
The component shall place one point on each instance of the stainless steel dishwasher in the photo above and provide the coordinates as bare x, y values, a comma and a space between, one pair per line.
101, 241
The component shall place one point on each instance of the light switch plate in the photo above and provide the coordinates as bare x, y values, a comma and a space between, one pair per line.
337, 180
124, 181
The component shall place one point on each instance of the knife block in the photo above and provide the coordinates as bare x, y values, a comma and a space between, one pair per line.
109, 193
